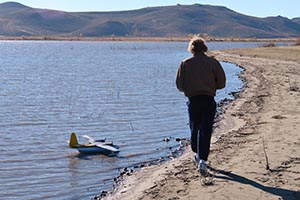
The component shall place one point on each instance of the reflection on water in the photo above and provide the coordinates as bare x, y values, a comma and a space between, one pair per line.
89, 179
122, 91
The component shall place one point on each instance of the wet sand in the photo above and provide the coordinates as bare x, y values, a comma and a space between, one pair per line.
255, 151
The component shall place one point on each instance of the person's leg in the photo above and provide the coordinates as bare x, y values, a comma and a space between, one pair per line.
206, 128
194, 122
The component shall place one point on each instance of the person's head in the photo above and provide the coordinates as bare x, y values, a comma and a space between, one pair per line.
197, 44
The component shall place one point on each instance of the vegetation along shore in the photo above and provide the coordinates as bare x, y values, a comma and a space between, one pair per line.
152, 39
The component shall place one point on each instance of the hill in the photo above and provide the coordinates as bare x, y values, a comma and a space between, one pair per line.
168, 21
297, 20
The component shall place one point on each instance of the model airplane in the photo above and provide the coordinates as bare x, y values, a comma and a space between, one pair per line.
93, 146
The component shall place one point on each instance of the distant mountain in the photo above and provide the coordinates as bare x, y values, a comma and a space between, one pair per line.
168, 21
17, 19
297, 20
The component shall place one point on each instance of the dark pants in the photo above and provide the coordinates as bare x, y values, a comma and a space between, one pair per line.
202, 110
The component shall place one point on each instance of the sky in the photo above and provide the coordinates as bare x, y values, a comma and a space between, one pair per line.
257, 8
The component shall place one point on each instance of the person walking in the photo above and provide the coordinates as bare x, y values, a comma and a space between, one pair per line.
198, 77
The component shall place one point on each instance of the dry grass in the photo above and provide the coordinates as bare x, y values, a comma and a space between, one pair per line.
158, 39
276, 53
294, 83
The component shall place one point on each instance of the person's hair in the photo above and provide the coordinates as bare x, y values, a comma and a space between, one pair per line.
197, 44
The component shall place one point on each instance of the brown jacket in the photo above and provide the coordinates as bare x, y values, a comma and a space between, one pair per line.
200, 75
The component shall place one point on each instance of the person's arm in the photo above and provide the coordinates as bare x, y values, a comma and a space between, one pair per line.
220, 77
180, 77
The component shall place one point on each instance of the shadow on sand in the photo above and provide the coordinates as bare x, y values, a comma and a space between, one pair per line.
285, 194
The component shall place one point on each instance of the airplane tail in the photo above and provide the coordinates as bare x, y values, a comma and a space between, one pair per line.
73, 142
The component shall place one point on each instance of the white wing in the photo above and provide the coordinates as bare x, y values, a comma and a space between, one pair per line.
100, 144
89, 139
108, 147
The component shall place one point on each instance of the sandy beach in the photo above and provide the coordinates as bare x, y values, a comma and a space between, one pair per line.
255, 151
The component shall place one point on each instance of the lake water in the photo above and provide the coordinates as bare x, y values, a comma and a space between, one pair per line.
122, 91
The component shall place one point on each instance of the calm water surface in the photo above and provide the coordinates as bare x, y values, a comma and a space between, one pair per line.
122, 91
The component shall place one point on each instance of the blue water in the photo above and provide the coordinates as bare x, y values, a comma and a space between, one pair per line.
122, 91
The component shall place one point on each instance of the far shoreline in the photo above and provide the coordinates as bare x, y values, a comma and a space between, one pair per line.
142, 39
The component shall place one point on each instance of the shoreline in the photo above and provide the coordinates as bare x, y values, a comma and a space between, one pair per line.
142, 39
254, 147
